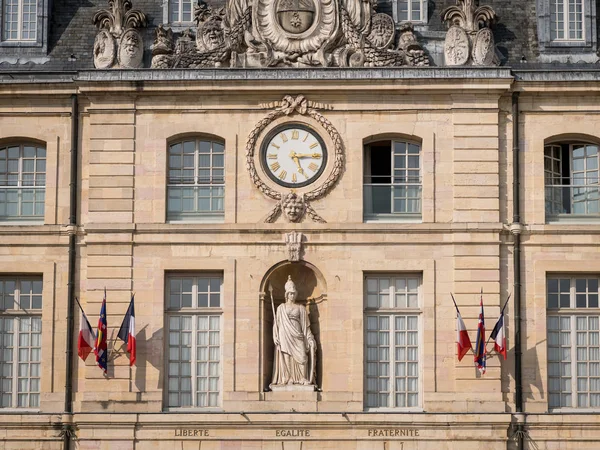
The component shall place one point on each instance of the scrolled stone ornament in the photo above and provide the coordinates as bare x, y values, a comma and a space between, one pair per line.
104, 50
456, 47
131, 50
484, 49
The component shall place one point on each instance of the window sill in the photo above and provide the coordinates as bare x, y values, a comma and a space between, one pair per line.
395, 410
393, 218
574, 410
200, 220
192, 410
19, 411
13, 223
573, 219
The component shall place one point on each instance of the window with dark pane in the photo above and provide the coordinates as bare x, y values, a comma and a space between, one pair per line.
392, 180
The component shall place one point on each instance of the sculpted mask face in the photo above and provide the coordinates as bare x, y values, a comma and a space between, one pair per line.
293, 207
131, 44
212, 34
381, 32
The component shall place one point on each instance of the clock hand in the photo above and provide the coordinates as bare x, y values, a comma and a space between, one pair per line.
294, 157
308, 155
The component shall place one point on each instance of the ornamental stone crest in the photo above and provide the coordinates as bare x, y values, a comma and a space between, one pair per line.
294, 204
293, 241
469, 40
119, 43
289, 33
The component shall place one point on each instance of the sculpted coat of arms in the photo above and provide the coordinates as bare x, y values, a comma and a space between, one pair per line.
289, 33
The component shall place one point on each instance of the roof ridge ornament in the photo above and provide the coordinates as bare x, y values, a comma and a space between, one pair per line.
118, 43
469, 39
290, 33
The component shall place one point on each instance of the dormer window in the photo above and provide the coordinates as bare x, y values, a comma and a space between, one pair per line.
566, 20
19, 20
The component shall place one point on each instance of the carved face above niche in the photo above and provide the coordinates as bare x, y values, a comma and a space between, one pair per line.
294, 134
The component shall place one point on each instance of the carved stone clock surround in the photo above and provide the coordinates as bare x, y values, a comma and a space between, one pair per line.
295, 204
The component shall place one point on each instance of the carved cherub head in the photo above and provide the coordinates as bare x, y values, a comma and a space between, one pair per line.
293, 206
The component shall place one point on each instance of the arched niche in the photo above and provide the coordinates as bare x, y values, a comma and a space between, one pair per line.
312, 293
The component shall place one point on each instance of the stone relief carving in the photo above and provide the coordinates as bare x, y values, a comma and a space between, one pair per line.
293, 241
289, 33
118, 28
469, 40
294, 363
294, 205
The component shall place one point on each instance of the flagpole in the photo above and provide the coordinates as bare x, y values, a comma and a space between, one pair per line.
458, 314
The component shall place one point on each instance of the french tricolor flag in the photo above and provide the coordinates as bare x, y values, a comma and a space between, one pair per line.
463, 342
87, 337
127, 332
499, 334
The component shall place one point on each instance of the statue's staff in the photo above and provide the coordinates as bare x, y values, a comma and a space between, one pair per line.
273, 309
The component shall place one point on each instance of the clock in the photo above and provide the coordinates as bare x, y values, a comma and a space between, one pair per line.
293, 155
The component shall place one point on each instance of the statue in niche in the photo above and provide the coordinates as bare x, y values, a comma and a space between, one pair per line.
295, 347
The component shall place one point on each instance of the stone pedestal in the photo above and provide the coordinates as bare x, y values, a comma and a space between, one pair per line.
293, 388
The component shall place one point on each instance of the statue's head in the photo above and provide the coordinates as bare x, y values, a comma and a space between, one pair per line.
290, 290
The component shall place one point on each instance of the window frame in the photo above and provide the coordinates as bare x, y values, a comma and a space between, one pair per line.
553, 48
550, 195
396, 11
32, 219
23, 51
367, 164
196, 216
179, 25
193, 312
392, 313
17, 314
573, 313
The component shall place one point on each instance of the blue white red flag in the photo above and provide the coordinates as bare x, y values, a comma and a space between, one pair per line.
498, 334
101, 348
480, 344
127, 332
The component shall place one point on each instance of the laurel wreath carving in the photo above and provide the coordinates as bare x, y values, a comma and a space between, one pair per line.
287, 106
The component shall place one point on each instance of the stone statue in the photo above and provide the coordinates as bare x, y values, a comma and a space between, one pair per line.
295, 347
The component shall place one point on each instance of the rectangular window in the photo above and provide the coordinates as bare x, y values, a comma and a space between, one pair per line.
572, 181
180, 11
20, 341
194, 307
22, 182
410, 10
392, 322
196, 184
566, 20
20, 20
392, 180
573, 342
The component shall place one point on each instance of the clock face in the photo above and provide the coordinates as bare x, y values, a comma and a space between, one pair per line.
293, 155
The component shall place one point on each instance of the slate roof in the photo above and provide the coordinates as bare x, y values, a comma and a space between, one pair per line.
72, 33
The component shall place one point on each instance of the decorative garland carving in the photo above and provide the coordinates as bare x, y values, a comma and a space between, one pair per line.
294, 205
119, 27
469, 40
289, 33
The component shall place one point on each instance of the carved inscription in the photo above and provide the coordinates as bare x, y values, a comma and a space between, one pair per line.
292, 433
392, 432
191, 432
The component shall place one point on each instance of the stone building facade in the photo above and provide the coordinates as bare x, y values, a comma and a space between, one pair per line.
379, 164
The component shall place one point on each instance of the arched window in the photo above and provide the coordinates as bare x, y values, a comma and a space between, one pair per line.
22, 182
392, 180
571, 178
196, 180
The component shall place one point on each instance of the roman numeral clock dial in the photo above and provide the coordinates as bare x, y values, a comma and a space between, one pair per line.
293, 155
